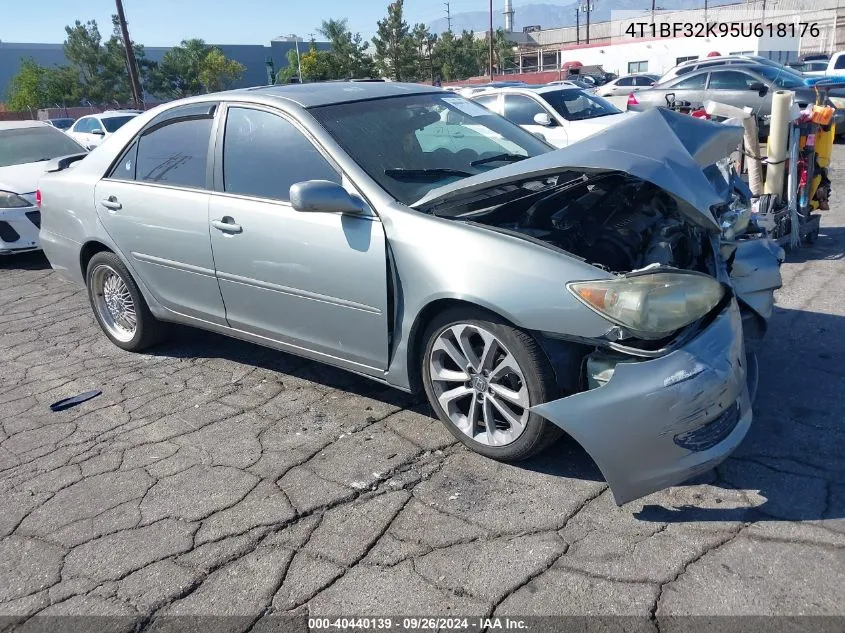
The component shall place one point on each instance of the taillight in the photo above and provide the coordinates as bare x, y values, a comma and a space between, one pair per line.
632, 100
38, 198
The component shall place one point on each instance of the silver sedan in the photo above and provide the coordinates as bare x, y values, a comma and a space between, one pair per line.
414, 237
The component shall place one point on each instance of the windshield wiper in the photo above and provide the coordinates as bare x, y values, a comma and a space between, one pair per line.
434, 173
509, 158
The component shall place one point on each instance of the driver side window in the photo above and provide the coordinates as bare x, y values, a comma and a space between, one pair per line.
83, 126
264, 154
521, 109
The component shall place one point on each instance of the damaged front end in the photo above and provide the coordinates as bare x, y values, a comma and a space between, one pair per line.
653, 202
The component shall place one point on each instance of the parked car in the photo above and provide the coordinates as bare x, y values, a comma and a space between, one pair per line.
25, 146
61, 124
574, 83
812, 68
727, 60
560, 115
626, 85
505, 280
90, 131
474, 89
835, 66
741, 85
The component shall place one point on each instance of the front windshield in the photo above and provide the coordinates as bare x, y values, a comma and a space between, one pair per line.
576, 105
411, 145
114, 123
778, 77
34, 144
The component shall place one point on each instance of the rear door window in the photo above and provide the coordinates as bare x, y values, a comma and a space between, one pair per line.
176, 153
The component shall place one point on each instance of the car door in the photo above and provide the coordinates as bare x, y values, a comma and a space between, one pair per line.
81, 131
691, 87
492, 102
96, 132
624, 85
154, 206
641, 82
521, 109
733, 87
309, 280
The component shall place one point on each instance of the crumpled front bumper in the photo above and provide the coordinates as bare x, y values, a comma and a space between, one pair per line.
19, 230
659, 422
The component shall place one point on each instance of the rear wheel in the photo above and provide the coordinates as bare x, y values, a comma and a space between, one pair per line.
481, 376
118, 305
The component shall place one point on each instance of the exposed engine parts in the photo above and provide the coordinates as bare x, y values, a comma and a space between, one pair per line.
615, 221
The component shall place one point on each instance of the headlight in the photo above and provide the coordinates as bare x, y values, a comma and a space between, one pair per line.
651, 305
9, 200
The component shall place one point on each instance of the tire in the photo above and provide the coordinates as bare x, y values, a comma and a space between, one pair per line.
114, 295
527, 375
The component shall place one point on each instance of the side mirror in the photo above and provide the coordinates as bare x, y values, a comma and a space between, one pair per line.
323, 196
544, 119
759, 87
98, 132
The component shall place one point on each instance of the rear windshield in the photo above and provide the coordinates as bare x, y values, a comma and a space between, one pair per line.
34, 144
114, 123
62, 124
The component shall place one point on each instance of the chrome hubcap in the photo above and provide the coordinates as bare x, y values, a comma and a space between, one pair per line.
114, 303
479, 384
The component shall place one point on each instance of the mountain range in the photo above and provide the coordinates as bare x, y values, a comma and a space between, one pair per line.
550, 16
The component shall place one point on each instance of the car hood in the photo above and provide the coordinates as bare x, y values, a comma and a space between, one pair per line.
21, 178
584, 127
668, 149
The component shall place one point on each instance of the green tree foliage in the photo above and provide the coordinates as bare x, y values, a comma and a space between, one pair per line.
37, 86
395, 54
348, 58
218, 72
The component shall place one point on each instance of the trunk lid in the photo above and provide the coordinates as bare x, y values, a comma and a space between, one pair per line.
665, 148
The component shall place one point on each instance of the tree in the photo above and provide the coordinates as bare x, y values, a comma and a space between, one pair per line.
395, 54
503, 55
27, 87
217, 72
348, 58
285, 75
178, 73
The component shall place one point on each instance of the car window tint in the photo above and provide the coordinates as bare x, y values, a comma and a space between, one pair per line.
264, 154
521, 110
124, 169
696, 82
488, 102
643, 81
175, 154
82, 125
94, 124
840, 62
729, 80
625, 81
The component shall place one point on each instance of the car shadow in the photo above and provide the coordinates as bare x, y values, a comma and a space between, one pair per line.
829, 245
33, 260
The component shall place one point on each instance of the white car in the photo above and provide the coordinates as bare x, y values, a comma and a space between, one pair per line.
90, 131
25, 148
626, 85
561, 115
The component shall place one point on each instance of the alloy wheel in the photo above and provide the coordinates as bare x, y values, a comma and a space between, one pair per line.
114, 303
479, 384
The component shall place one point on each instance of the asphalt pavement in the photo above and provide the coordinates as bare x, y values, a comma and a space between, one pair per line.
214, 477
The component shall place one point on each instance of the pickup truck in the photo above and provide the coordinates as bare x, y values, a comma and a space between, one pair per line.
835, 67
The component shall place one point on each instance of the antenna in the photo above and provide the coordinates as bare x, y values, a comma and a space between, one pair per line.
448, 17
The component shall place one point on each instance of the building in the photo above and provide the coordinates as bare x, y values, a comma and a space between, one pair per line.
253, 56
546, 49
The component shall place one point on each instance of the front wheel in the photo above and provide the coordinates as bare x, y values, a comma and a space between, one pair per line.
118, 305
481, 377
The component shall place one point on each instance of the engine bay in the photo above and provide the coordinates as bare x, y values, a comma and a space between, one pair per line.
615, 221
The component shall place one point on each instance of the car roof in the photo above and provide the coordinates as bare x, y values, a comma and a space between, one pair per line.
529, 90
319, 94
113, 113
18, 125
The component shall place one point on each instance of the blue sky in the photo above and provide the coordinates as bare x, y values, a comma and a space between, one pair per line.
166, 22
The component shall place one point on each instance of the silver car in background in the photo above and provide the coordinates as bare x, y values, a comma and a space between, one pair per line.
414, 237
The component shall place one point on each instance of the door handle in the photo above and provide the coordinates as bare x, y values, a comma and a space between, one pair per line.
111, 203
227, 225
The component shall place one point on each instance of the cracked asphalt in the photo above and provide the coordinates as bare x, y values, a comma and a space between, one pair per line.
216, 477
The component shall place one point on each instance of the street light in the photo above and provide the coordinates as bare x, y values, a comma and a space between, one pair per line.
298, 61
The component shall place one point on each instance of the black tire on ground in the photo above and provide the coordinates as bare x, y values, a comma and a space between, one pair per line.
539, 433
149, 330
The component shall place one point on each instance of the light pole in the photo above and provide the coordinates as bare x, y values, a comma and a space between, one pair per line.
298, 61
131, 63
490, 51
587, 7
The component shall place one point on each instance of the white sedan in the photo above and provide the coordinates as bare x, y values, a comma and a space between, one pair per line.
561, 115
25, 148
90, 131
